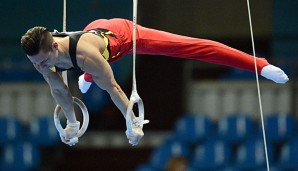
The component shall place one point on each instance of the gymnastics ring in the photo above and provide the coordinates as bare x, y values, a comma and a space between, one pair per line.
138, 121
85, 119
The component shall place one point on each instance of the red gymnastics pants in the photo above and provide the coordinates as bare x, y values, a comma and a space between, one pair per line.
155, 42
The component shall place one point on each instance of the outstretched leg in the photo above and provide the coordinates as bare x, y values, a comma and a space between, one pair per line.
155, 42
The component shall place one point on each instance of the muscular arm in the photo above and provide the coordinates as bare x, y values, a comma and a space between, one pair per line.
60, 92
103, 76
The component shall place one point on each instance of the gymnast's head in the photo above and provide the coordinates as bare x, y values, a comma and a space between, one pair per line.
36, 39
39, 45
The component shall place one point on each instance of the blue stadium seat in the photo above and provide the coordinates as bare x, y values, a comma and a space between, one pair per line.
236, 128
251, 155
146, 167
289, 155
43, 131
161, 155
272, 168
20, 157
229, 168
194, 128
212, 155
280, 127
11, 130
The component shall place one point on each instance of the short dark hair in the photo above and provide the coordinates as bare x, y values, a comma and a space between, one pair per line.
35, 39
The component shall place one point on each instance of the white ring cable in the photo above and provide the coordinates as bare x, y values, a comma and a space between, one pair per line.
76, 101
134, 98
64, 73
258, 86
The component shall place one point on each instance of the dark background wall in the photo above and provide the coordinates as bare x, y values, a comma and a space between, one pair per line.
205, 19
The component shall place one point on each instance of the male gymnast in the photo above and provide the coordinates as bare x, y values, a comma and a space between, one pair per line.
104, 41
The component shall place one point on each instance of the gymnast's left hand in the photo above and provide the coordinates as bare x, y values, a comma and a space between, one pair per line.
135, 135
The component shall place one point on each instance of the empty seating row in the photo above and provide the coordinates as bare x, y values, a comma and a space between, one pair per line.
40, 131
234, 143
20, 145
234, 128
219, 155
20, 156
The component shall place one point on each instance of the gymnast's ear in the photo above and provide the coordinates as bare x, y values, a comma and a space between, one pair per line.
55, 45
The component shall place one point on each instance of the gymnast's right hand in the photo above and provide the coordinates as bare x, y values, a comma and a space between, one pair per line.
71, 131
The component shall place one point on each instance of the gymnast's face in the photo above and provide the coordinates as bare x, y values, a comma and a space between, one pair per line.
45, 59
